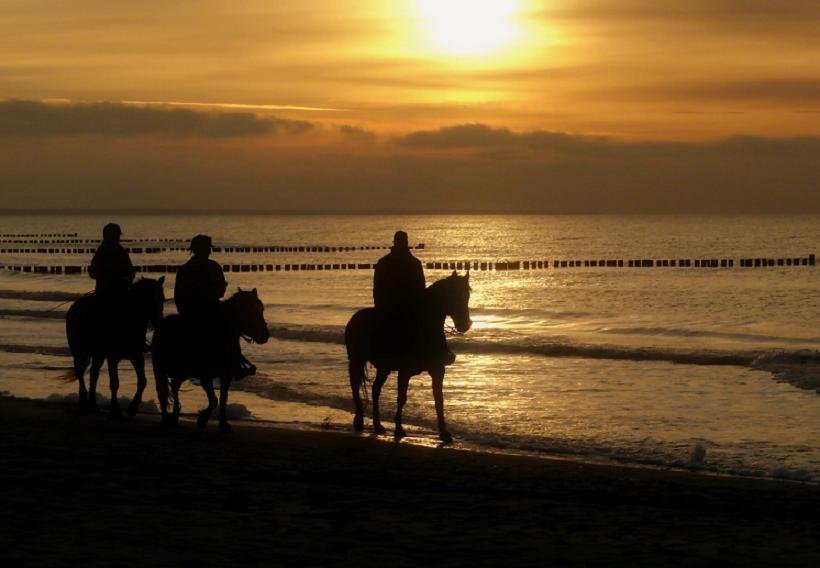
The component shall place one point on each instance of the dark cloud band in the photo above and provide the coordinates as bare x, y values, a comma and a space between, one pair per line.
34, 118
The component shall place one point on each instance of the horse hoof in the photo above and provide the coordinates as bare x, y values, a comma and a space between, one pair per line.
379, 429
225, 428
358, 424
133, 408
446, 437
399, 433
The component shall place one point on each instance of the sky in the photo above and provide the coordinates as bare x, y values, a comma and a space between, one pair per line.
436, 105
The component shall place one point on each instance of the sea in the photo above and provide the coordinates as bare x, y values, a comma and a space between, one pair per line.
709, 368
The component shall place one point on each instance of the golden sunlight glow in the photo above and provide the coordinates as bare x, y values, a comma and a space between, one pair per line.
470, 27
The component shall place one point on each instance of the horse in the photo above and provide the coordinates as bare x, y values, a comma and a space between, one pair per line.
179, 355
93, 339
447, 297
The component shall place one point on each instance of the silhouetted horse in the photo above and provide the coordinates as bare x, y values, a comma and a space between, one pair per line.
95, 335
178, 354
447, 297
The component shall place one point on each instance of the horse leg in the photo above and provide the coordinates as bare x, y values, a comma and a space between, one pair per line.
175, 384
437, 375
80, 364
224, 386
93, 376
356, 371
381, 377
204, 415
401, 400
161, 384
138, 361
114, 383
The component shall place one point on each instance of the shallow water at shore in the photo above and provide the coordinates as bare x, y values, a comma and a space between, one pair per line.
634, 365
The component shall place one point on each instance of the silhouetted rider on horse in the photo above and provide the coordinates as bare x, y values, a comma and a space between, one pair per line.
111, 266
398, 283
113, 275
200, 284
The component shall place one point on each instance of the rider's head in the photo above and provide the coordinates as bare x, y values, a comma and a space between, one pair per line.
201, 245
111, 233
400, 241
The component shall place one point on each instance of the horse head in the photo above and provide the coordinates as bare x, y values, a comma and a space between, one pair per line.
453, 294
150, 299
249, 312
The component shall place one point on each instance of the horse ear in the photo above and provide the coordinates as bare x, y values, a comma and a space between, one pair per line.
467, 276
254, 292
239, 288
161, 280
454, 273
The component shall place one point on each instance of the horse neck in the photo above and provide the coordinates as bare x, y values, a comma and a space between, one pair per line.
230, 312
435, 301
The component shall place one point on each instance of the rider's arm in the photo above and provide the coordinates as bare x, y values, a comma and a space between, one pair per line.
420, 275
94, 268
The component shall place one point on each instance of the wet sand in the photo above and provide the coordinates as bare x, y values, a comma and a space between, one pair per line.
80, 490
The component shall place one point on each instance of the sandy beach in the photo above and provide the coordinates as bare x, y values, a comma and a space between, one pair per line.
90, 491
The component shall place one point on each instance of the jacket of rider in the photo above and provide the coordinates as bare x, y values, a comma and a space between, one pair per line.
398, 280
111, 268
199, 286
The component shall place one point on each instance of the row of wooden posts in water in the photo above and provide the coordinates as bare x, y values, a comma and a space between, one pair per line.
240, 249
46, 235
474, 265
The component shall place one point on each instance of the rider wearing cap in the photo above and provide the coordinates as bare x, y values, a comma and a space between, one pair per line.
200, 284
111, 266
398, 284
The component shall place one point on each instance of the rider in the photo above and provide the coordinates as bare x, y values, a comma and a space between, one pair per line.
398, 284
111, 266
200, 284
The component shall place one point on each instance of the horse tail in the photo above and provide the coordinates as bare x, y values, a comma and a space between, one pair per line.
68, 377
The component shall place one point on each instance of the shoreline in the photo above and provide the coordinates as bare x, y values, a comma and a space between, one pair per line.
244, 410
267, 495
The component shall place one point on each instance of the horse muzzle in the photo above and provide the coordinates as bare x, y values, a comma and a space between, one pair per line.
464, 325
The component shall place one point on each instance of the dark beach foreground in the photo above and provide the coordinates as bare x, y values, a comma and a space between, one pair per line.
89, 491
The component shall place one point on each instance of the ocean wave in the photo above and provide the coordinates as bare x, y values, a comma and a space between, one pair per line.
541, 346
42, 295
36, 349
34, 314
678, 332
800, 368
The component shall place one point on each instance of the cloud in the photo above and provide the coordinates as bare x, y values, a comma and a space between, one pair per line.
742, 16
357, 133
484, 137
466, 167
34, 118
797, 89
478, 136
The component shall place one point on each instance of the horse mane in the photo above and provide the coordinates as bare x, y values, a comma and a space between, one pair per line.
446, 281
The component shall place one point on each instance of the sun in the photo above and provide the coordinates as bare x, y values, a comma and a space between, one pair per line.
470, 27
